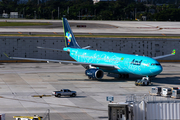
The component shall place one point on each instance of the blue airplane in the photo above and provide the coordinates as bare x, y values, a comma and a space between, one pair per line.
98, 62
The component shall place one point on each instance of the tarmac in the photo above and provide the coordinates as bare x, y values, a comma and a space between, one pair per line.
19, 82
97, 27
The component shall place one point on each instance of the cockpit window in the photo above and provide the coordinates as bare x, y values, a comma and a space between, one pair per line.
153, 64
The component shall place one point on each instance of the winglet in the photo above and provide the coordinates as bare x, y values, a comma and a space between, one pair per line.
173, 52
6, 55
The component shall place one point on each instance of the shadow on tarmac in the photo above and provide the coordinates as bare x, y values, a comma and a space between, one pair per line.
72, 97
168, 80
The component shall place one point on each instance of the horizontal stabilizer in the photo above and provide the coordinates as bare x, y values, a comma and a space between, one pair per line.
86, 47
51, 49
163, 56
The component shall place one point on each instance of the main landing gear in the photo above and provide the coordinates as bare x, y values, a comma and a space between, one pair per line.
123, 76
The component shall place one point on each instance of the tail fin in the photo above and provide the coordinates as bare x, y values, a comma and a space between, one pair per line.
70, 40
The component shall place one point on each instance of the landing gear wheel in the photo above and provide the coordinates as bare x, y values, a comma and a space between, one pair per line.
89, 77
124, 76
120, 75
127, 75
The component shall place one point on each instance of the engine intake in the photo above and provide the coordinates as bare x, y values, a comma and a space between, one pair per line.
94, 73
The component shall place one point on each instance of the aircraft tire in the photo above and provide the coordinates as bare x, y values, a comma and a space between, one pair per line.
89, 77
120, 75
127, 75
124, 76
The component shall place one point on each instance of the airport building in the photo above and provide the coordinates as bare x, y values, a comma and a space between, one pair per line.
27, 47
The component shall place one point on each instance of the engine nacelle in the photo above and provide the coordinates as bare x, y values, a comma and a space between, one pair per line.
94, 73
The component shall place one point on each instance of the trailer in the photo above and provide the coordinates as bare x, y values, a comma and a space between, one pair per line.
166, 92
176, 94
155, 91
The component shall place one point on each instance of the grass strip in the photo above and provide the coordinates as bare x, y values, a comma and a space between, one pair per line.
22, 24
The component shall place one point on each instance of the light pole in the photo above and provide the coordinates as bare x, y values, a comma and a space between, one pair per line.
58, 12
34, 14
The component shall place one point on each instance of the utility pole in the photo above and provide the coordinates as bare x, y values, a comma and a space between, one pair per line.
52, 15
23, 13
58, 12
34, 14
68, 11
79, 15
135, 12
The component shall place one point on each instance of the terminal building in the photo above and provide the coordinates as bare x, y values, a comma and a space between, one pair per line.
27, 47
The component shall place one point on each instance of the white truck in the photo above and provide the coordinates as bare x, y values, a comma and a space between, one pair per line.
64, 92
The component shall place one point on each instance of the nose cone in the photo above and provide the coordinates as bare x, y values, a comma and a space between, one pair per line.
157, 70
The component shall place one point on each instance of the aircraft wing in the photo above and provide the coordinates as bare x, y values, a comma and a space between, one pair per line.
102, 66
173, 53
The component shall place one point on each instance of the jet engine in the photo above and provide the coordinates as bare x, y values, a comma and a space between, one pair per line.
94, 73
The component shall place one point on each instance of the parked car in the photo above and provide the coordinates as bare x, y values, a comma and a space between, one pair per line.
64, 92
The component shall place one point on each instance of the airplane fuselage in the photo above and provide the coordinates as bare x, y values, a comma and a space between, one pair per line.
126, 63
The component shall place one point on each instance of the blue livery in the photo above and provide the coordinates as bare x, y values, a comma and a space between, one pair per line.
98, 62
123, 63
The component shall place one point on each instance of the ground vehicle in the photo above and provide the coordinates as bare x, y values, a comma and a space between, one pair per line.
35, 117
166, 92
175, 94
143, 81
64, 92
155, 91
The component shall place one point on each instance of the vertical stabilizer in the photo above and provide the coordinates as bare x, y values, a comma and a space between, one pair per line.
70, 40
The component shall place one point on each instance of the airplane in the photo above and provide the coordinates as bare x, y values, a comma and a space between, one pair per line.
97, 62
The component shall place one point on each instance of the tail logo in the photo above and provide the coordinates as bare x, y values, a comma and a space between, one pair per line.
68, 36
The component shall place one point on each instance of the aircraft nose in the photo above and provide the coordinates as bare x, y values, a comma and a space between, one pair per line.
158, 69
